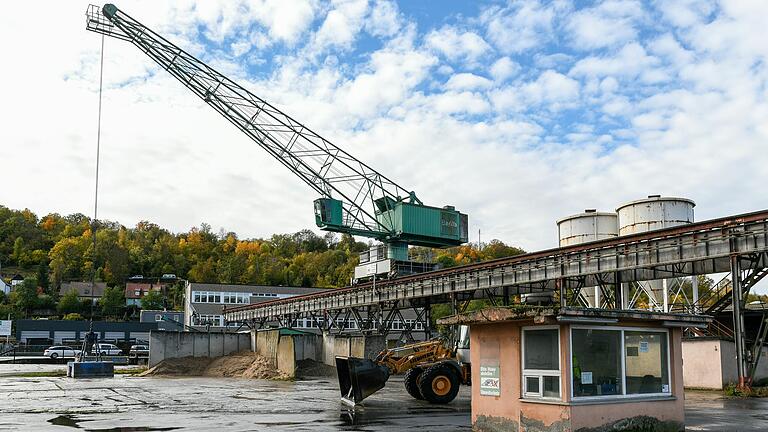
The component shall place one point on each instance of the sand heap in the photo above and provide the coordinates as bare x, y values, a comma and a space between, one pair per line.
244, 364
314, 369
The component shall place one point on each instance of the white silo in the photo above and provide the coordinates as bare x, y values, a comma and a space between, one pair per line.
583, 228
652, 213
586, 227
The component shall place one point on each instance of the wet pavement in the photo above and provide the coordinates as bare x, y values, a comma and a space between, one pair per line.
710, 411
205, 404
128, 404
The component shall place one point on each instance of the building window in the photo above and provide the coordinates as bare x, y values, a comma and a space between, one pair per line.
221, 297
646, 362
213, 320
619, 362
541, 363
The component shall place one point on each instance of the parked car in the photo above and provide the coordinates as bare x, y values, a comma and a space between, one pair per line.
138, 351
59, 351
107, 349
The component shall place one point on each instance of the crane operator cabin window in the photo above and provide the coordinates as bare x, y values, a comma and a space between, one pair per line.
541, 363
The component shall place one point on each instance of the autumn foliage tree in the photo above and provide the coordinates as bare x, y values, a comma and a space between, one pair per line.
64, 244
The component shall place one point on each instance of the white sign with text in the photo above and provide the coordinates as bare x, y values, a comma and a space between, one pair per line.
5, 327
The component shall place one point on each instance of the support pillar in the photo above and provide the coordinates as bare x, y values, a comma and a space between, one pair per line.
695, 289
621, 293
738, 321
665, 294
596, 301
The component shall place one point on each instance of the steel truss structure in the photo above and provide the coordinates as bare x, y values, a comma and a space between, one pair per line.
735, 244
372, 319
326, 168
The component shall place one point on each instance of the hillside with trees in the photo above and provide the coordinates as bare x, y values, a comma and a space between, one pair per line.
53, 249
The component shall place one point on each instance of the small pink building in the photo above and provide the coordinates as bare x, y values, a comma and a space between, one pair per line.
548, 369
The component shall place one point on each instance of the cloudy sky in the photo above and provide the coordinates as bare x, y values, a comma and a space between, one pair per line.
517, 113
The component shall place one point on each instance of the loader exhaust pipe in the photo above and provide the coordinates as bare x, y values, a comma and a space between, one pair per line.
359, 378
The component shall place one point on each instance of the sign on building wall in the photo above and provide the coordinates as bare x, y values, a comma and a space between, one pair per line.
5, 327
490, 382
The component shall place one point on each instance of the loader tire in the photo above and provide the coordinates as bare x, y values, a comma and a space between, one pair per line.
411, 381
439, 384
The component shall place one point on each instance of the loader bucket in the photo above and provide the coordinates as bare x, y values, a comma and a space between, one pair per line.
359, 378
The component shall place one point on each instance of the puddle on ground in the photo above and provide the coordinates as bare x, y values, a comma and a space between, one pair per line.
74, 422
64, 420
132, 429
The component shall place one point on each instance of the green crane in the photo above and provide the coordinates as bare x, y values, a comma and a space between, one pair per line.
354, 198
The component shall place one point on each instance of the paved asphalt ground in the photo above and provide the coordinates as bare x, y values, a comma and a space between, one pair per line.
124, 404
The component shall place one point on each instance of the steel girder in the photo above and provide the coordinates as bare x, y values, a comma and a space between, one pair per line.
702, 248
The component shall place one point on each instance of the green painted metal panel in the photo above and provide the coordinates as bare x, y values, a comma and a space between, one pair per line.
421, 225
328, 212
418, 221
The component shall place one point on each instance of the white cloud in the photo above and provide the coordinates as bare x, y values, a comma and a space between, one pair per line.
467, 81
459, 103
551, 87
650, 115
391, 75
550, 90
284, 21
631, 61
519, 26
504, 68
552, 61
685, 13
384, 19
341, 25
609, 23
455, 44
669, 48
738, 31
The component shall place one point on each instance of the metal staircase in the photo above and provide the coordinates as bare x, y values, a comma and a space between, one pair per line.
725, 300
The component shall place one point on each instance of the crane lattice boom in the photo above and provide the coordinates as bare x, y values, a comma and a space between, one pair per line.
356, 199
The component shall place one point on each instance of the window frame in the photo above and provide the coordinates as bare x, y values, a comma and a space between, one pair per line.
623, 349
540, 373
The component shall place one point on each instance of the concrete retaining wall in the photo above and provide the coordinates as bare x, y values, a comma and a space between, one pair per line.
279, 349
350, 346
172, 344
284, 350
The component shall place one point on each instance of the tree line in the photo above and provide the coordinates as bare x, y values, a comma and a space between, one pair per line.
54, 249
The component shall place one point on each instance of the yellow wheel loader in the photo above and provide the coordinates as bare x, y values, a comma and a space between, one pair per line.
433, 371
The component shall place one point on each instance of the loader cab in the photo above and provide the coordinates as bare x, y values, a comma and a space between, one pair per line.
462, 345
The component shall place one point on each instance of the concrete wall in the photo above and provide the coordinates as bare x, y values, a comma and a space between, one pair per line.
284, 350
711, 363
308, 346
171, 344
350, 346
702, 361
